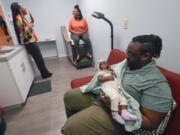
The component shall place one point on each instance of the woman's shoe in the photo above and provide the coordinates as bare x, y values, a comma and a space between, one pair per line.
47, 75
78, 60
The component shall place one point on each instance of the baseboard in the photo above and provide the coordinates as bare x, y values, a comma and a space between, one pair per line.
62, 55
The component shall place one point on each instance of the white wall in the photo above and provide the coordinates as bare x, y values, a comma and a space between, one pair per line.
49, 15
145, 17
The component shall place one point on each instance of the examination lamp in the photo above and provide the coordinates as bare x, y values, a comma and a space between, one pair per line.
100, 15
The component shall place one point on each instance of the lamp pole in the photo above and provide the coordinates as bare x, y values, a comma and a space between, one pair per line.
100, 15
112, 36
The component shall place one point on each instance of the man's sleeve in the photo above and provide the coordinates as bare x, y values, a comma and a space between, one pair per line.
157, 97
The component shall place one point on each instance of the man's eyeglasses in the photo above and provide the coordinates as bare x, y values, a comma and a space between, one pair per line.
131, 54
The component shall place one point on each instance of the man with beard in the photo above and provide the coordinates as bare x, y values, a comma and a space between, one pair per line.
89, 113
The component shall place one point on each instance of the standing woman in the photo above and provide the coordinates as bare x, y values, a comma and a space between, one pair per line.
79, 30
26, 36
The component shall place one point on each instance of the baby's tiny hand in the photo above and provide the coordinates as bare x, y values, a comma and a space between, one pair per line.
113, 73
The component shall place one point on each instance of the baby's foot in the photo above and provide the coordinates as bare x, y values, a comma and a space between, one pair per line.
117, 117
128, 116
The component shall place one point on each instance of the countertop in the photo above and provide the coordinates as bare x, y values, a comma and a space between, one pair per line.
9, 55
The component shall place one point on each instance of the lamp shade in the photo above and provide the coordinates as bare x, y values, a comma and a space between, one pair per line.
98, 15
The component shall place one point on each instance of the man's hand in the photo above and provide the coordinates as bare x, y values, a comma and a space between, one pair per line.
105, 100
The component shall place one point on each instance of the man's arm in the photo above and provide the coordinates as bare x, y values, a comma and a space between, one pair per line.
151, 119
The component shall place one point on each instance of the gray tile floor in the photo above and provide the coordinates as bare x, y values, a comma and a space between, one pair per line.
44, 114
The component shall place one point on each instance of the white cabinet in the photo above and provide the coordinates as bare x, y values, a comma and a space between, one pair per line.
16, 78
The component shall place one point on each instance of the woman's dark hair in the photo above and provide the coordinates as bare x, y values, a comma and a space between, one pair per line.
78, 9
15, 8
149, 43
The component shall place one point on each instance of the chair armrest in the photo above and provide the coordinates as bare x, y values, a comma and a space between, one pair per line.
76, 83
65, 34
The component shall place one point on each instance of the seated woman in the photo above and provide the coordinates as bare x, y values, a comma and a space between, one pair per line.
79, 30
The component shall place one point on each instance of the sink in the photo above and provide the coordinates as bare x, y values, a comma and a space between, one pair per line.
5, 51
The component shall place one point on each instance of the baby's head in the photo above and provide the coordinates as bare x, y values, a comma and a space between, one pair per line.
104, 65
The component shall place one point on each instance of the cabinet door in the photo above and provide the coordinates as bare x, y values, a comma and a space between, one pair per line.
28, 75
9, 94
23, 73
